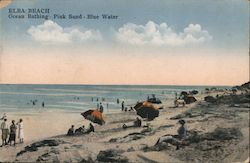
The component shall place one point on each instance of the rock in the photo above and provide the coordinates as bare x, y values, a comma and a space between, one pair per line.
224, 134
112, 140
55, 151
136, 137
234, 99
112, 155
189, 99
89, 160
131, 149
162, 146
179, 116
210, 99
43, 157
34, 146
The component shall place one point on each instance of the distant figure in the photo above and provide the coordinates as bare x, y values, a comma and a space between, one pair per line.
33, 102
101, 108
20, 131
148, 98
176, 140
71, 131
122, 105
92, 99
126, 109
12, 133
118, 101
107, 105
97, 99
5, 131
43, 104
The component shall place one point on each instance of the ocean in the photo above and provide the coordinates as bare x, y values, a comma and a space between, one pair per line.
75, 98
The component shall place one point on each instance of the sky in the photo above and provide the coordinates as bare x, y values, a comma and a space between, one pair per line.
162, 42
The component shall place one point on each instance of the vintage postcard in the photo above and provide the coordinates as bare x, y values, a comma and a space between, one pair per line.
159, 81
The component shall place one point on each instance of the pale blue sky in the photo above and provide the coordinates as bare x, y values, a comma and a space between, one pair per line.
182, 41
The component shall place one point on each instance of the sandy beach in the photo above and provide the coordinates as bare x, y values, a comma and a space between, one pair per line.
222, 129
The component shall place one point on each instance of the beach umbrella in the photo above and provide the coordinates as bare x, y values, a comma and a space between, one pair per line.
94, 116
146, 110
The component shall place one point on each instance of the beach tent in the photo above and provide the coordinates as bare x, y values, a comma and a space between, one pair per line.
94, 116
147, 110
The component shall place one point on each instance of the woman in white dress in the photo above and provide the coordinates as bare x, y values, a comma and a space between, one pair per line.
20, 131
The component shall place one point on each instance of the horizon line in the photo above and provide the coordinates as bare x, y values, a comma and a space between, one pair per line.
98, 84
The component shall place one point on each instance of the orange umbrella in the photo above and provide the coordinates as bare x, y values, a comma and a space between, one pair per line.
146, 110
94, 116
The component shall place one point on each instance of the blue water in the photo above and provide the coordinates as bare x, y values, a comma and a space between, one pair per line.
79, 97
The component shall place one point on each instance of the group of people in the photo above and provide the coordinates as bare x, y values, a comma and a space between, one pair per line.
9, 133
81, 130
33, 102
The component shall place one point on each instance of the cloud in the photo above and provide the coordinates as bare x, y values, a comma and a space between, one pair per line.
51, 32
161, 34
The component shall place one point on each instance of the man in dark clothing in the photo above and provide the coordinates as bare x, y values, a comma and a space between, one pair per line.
12, 133
122, 105
71, 131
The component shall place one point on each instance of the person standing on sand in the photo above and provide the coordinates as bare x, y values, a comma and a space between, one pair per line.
101, 108
12, 133
5, 131
20, 131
